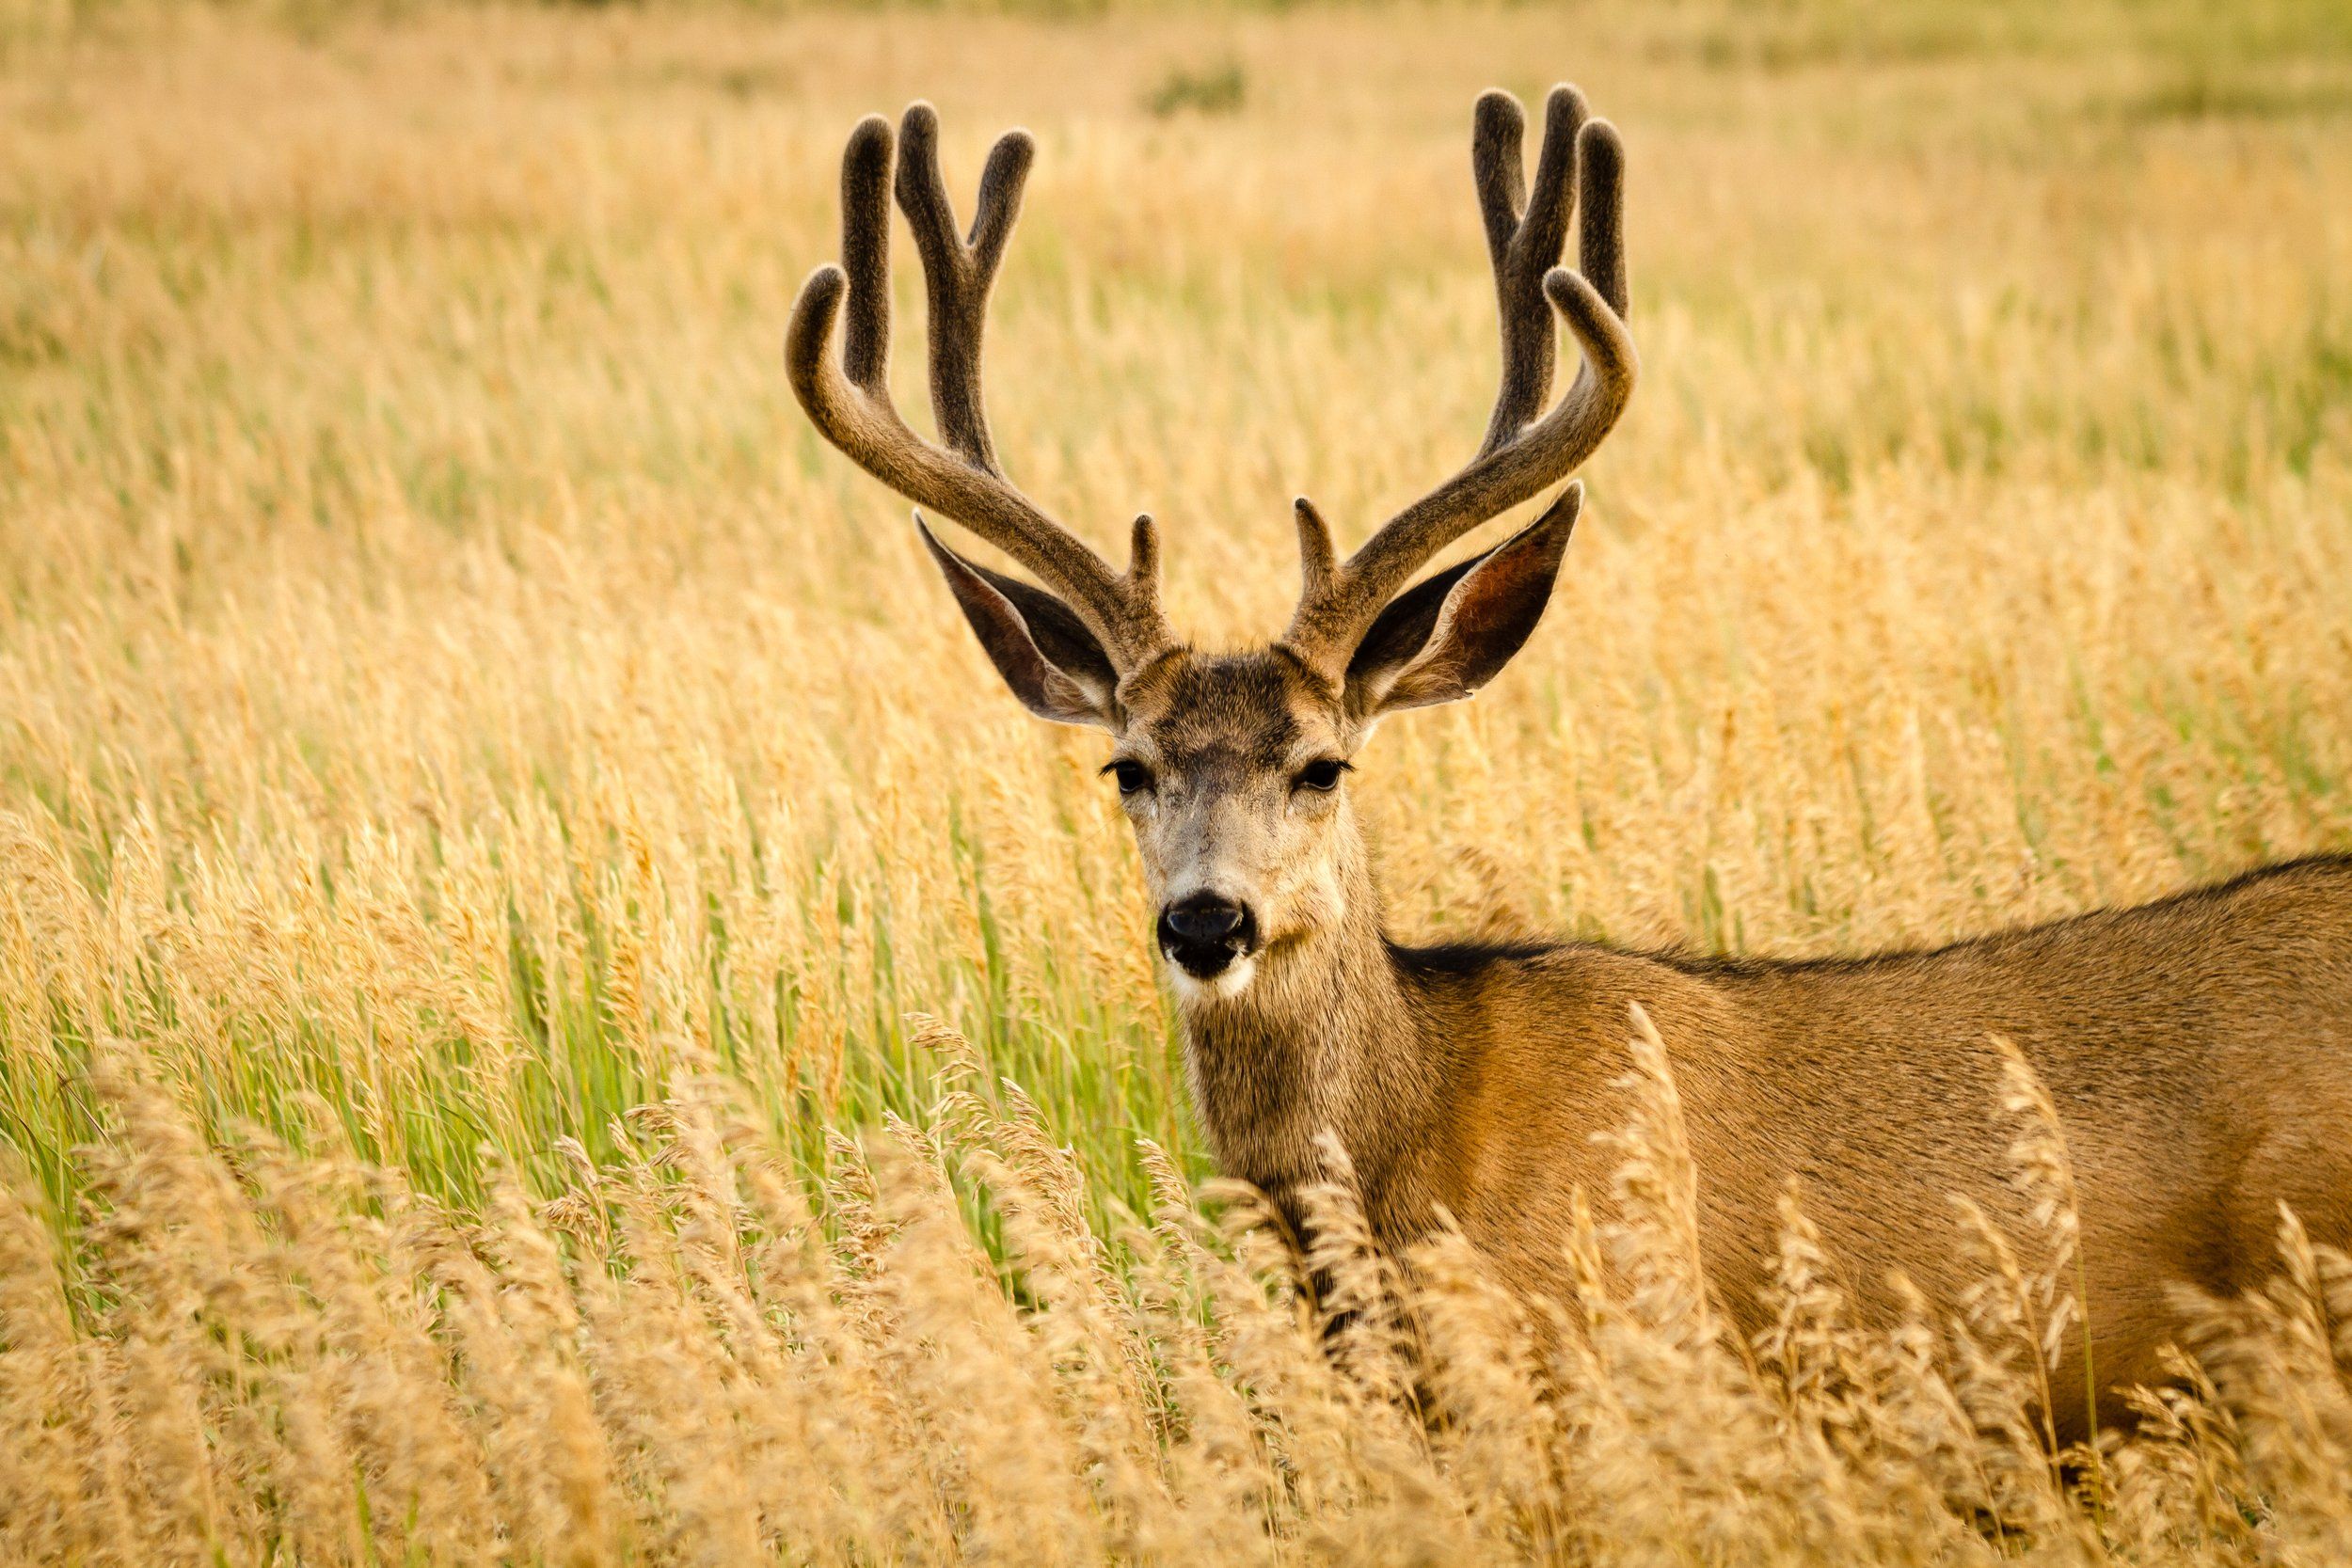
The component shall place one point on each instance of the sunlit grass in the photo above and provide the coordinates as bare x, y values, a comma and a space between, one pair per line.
443, 669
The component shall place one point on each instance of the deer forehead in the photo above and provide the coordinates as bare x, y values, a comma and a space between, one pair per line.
1255, 711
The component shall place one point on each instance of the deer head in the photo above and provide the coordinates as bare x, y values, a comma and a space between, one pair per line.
1233, 765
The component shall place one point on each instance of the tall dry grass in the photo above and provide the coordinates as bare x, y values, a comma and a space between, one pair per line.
484, 788
692, 1355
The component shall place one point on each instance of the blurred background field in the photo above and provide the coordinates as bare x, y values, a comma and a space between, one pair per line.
443, 674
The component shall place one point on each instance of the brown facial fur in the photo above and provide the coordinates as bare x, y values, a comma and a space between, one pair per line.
1224, 740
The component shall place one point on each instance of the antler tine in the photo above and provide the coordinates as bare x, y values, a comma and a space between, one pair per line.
1600, 228
958, 274
866, 250
1524, 240
851, 402
1581, 165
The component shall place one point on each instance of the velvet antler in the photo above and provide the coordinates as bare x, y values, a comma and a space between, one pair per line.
1582, 165
849, 401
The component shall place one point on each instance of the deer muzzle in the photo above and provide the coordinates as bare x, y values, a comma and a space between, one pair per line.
1204, 933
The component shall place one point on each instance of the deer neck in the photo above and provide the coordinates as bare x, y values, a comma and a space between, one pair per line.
1326, 1037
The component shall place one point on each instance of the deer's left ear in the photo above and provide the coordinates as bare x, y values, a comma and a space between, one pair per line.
1053, 663
1445, 637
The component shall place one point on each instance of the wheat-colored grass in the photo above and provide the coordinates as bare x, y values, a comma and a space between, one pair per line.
482, 788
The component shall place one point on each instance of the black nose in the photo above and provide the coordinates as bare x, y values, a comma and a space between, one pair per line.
1205, 917
1207, 931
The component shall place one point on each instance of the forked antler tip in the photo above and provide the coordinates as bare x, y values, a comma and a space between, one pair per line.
1527, 448
1500, 115
918, 128
849, 402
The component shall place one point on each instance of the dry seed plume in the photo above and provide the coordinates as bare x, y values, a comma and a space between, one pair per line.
2197, 1052
694, 1355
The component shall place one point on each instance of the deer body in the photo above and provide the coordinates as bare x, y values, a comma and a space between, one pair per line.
2199, 1050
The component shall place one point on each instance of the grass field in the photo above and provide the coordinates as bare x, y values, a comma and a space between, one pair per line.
485, 793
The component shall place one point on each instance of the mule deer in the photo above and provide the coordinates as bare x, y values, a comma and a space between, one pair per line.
2199, 1049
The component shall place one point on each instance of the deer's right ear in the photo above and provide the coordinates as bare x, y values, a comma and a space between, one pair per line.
1053, 663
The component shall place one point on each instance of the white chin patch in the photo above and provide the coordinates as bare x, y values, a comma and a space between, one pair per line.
1225, 984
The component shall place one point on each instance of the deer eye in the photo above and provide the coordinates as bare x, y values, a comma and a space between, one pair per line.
1322, 775
1133, 778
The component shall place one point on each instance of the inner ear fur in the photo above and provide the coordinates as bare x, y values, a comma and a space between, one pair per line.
1450, 634
1039, 645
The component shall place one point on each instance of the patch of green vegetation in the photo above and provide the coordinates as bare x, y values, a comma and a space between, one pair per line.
1219, 89
2202, 94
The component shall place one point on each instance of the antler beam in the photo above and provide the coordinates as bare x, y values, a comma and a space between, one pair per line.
1582, 163
850, 400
